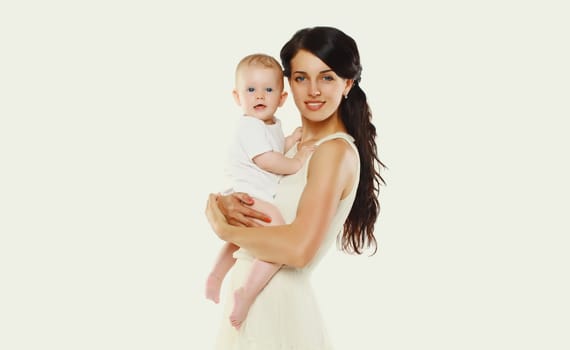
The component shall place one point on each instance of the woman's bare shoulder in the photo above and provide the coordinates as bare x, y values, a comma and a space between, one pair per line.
336, 152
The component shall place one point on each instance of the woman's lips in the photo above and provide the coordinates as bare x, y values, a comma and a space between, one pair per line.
314, 105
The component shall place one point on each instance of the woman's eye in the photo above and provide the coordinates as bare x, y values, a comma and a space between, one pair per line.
328, 78
250, 89
269, 89
299, 79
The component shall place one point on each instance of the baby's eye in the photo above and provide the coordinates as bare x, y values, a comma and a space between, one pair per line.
269, 89
250, 89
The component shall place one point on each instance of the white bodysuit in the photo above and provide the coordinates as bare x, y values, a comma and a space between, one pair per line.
254, 137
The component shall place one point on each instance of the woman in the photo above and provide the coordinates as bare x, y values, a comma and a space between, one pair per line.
336, 191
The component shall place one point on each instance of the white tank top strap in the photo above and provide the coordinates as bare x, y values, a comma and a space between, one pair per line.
350, 140
336, 135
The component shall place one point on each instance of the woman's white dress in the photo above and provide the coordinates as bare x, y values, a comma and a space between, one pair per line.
285, 315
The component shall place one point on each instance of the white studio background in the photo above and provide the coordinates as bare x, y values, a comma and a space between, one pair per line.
114, 121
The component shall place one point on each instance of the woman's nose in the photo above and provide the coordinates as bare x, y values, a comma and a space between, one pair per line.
315, 90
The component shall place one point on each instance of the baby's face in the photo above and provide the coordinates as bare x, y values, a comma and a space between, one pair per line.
260, 92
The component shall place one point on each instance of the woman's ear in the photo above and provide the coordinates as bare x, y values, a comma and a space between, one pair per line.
349, 84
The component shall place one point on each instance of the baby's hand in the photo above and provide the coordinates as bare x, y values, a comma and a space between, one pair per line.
304, 153
297, 133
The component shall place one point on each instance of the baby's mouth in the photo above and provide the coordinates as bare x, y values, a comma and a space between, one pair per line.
259, 106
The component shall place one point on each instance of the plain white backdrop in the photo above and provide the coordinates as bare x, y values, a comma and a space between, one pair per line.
114, 121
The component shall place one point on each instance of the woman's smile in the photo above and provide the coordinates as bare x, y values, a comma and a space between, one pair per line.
314, 105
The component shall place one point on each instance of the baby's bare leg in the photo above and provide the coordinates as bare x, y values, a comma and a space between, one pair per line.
260, 274
224, 262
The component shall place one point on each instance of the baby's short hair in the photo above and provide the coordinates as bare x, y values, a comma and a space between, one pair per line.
260, 60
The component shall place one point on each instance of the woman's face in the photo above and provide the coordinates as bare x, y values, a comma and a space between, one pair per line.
317, 90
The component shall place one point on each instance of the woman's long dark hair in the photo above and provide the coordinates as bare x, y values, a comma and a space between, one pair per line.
339, 51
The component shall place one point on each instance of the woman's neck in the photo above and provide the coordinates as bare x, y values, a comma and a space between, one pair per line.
314, 131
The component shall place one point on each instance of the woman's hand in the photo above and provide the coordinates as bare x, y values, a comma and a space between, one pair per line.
237, 210
215, 217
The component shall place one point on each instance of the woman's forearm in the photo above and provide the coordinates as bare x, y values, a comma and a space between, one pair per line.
276, 244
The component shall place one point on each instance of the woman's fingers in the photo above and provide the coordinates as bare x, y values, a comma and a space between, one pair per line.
243, 197
242, 222
240, 219
236, 208
254, 214
247, 212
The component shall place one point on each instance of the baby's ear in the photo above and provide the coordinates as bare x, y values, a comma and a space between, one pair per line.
283, 98
236, 97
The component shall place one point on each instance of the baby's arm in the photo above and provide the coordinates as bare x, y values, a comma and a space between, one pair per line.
292, 139
277, 163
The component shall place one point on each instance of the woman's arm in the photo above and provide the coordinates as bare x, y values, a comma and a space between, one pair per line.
332, 173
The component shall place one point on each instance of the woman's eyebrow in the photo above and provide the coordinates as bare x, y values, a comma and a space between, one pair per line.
321, 72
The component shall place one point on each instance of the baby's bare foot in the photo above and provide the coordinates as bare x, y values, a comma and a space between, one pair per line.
213, 285
241, 307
